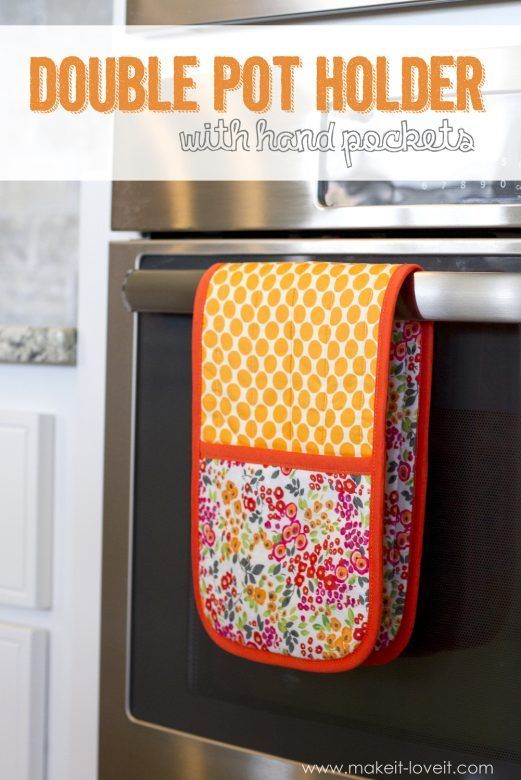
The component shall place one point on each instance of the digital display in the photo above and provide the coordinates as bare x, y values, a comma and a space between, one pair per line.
416, 193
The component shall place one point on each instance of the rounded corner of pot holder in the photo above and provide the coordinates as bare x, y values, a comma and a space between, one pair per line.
310, 412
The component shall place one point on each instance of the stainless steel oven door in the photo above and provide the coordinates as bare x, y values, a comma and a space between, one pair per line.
168, 696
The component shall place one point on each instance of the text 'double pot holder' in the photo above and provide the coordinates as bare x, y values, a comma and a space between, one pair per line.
310, 418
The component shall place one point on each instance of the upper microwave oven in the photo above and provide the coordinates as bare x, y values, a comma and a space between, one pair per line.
226, 206
371, 199
203, 12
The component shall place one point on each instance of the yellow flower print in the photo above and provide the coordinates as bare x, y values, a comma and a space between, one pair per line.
232, 489
259, 595
230, 492
347, 633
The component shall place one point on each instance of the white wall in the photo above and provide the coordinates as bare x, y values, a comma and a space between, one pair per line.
75, 396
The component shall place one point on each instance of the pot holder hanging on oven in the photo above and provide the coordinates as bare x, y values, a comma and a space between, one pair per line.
310, 410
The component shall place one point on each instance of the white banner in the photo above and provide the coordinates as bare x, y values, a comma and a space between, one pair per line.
276, 102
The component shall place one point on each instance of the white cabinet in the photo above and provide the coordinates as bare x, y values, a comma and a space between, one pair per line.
26, 475
23, 653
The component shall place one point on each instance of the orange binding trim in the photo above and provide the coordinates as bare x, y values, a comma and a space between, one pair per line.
375, 465
302, 460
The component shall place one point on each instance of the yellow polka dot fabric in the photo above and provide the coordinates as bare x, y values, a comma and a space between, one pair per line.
289, 355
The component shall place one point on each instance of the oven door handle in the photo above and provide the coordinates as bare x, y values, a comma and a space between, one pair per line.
454, 296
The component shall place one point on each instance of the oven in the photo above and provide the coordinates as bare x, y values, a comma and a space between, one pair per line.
175, 705
203, 12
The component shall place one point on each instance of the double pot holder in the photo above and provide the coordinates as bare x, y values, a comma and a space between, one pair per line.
310, 412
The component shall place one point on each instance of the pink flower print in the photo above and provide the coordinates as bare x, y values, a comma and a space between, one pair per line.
411, 330
402, 539
360, 562
393, 555
300, 541
404, 471
316, 573
287, 535
400, 350
406, 517
279, 551
291, 531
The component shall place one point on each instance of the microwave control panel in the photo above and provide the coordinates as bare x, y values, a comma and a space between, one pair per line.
416, 193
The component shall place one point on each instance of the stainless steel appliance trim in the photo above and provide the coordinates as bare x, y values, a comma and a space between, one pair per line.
130, 748
412, 247
219, 206
201, 12
449, 297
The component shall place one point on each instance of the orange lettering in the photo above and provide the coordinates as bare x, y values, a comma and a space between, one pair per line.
439, 82
182, 82
227, 76
360, 84
72, 82
43, 86
471, 74
132, 94
256, 79
287, 80
95, 84
325, 83
415, 84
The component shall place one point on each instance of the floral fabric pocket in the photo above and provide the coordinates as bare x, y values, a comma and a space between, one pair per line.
310, 411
